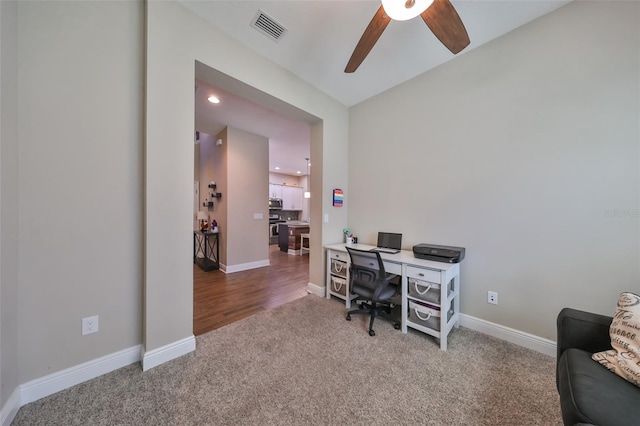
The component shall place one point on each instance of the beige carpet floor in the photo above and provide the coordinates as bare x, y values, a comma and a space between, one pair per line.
303, 364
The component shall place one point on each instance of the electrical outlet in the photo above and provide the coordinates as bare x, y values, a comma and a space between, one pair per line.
492, 297
90, 325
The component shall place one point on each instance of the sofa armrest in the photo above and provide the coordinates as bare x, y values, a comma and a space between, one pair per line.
582, 330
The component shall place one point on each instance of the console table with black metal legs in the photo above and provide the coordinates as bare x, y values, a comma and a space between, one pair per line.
206, 244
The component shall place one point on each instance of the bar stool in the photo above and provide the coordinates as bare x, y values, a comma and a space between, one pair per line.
302, 246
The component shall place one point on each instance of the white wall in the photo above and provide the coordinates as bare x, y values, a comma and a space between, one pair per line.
211, 167
239, 167
207, 156
517, 151
221, 177
9, 356
528, 142
80, 105
247, 168
80, 234
175, 40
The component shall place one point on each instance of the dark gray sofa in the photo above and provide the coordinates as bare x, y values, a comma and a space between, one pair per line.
589, 393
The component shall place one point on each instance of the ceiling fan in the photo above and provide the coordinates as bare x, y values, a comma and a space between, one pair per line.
439, 15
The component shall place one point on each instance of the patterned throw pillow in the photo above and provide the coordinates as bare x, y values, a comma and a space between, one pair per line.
624, 358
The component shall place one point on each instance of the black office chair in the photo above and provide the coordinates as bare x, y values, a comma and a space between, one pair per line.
369, 281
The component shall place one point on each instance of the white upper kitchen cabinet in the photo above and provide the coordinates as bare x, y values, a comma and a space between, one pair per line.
275, 190
292, 198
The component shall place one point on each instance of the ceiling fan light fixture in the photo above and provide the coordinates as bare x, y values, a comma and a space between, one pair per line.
403, 10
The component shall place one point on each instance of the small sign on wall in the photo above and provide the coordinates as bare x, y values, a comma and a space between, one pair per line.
338, 196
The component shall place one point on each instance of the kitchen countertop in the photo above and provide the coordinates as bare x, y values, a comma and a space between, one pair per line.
297, 224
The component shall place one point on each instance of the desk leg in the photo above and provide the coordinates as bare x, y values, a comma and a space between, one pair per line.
404, 309
456, 300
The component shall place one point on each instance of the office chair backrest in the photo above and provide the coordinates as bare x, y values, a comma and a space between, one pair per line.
366, 265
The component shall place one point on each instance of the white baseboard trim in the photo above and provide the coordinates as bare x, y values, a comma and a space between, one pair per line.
246, 266
520, 338
316, 289
10, 409
61, 380
167, 353
55, 382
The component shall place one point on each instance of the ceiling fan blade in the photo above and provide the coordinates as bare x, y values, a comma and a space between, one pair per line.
443, 20
368, 39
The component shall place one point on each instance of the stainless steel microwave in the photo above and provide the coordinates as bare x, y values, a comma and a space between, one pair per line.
275, 203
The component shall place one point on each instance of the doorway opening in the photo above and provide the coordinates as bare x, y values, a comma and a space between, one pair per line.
220, 297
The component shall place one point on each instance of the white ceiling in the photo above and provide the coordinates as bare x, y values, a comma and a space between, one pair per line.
288, 137
320, 37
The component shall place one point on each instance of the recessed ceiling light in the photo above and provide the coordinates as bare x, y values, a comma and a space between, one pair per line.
298, 172
277, 168
213, 99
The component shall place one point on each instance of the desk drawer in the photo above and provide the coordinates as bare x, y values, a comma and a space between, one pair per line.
339, 267
426, 315
339, 256
338, 285
424, 290
423, 274
393, 268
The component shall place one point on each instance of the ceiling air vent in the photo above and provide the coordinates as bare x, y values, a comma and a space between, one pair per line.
268, 26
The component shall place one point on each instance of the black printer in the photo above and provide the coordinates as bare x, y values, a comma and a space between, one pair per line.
438, 253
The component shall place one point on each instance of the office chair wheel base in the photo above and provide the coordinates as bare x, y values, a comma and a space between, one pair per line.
397, 326
348, 318
372, 333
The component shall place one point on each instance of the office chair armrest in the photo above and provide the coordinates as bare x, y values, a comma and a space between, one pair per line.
382, 284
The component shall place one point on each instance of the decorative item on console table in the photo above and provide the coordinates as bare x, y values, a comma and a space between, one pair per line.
203, 217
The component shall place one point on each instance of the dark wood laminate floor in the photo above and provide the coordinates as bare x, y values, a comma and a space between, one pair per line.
220, 299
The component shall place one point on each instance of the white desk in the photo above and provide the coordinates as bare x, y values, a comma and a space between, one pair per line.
430, 290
